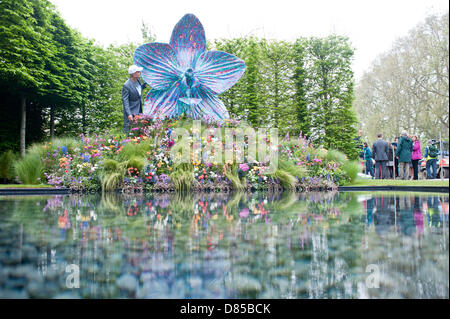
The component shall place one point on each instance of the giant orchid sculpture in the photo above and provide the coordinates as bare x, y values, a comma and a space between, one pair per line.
184, 77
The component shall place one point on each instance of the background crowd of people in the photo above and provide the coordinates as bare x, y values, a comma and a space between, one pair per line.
399, 159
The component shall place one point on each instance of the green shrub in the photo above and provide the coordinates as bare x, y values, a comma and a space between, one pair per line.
38, 149
351, 168
136, 162
336, 156
69, 142
29, 169
110, 165
132, 149
7, 160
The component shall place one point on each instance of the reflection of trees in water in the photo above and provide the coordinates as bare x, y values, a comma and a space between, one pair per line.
234, 245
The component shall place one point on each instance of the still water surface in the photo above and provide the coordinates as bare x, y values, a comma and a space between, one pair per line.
317, 245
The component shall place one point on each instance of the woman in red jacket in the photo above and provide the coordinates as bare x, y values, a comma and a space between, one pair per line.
416, 156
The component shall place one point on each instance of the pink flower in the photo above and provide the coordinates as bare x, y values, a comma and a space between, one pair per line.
244, 167
244, 213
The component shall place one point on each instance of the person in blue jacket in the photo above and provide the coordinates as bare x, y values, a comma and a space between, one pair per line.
367, 156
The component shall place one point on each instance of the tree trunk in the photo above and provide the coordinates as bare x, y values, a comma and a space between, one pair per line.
52, 122
23, 121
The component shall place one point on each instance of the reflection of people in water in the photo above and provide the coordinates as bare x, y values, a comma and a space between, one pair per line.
406, 216
433, 213
418, 215
369, 203
383, 217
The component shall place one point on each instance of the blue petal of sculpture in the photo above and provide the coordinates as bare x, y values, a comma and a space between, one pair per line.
184, 77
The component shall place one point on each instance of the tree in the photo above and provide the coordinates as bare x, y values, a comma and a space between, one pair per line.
300, 105
407, 87
277, 76
330, 82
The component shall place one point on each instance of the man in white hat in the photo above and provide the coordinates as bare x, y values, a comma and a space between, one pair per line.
132, 96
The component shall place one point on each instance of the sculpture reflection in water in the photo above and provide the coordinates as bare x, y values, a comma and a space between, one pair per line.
234, 245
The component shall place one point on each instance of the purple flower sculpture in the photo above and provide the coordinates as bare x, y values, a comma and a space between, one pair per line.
184, 77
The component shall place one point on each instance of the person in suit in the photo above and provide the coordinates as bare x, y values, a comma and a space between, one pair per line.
380, 149
132, 96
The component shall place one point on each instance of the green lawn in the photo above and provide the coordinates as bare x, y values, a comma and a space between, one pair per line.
389, 182
24, 186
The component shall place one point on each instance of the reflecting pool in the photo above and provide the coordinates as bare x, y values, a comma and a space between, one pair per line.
315, 245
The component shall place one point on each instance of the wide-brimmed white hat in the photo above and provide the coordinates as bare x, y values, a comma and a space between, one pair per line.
134, 68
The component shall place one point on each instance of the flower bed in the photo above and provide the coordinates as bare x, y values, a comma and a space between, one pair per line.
142, 161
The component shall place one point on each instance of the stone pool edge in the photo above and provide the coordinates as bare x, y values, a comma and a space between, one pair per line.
66, 191
431, 189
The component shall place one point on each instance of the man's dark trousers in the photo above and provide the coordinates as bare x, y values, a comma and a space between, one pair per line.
380, 169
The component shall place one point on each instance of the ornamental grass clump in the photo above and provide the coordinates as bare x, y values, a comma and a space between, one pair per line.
230, 172
351, 168
7, 159
132, 149
336, 156
29, 169
286, 179
183, 180
111, 174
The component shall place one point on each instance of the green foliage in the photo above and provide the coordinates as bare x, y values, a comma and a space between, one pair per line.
232, 175
110, 166
69, 142
286, 179
111, 175
352, 168
111, 180
302, 116
305, 86
136, 162
130, 150
7, 159
29, 169
183, 179
292, 169
336, 156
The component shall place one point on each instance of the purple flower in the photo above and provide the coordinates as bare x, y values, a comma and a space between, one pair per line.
184, 77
